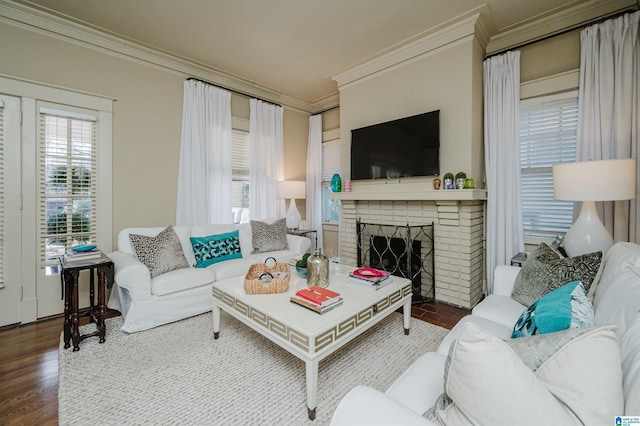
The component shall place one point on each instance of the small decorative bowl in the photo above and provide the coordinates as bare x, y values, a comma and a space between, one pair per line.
302, 271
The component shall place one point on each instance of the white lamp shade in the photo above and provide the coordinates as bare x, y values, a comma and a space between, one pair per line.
291, 189
606, 180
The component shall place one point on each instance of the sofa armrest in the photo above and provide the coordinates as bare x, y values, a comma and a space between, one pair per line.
131, 274
504, 278
364, 405
299, 244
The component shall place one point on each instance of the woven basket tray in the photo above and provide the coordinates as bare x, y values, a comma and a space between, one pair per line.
253, 284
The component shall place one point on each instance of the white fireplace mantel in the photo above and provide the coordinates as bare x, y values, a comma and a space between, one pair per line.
433, 195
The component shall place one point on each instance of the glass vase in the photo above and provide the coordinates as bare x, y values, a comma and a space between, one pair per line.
336, 183
318, 269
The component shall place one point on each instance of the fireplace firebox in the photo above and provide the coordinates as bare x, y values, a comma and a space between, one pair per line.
404, 251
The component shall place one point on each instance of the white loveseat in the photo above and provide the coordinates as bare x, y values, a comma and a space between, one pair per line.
617, 302
147, 302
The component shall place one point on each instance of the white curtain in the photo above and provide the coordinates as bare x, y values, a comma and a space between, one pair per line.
266, 162
314, 176
204, 171
501, 76
609, 102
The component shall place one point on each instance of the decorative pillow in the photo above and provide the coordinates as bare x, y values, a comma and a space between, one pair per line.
563, 308
216, 248
162, 253
545, 270
269, 237
572, 377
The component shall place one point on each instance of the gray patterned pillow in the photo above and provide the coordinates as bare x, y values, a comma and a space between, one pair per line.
269, 237
162, 253
545, 271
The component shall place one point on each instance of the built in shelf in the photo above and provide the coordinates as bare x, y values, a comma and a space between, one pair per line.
432, 195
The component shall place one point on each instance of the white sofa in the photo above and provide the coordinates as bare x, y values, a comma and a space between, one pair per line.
617, 302
147, 302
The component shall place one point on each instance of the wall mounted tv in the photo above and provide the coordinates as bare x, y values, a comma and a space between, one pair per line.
405, 147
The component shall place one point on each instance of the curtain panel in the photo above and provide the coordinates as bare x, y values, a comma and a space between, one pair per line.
501, 75
314, 176
266, 162
204, 169
609, 102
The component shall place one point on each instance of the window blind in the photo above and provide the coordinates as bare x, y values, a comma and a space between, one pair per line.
239, 168
330, 159
67, 181
548, 130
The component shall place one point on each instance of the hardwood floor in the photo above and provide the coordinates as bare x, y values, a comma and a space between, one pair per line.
29, 364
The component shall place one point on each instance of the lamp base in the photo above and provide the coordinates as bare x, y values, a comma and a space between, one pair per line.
293, 215
588, 234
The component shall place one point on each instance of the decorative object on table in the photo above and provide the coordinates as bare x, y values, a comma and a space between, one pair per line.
336, 183
347, 185
469, 184
460, 178
84, 252
370, 277
436, 183
448, 181
267, 278
318, 269
591, 181
318, 299
292, 189
301, 265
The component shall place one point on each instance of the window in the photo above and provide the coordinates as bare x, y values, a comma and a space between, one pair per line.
330, 166
239, 172
67, 181
548, 130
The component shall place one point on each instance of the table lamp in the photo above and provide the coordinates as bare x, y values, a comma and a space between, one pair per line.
591, 181
292, 189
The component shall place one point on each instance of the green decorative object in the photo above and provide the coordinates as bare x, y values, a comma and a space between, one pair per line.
469, 184
460, 178
461, 175
448, 181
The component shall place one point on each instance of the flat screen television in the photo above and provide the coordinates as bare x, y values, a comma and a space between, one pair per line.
405, 147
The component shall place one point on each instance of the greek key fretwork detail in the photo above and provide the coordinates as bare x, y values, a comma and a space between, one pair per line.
343, 328
276, 327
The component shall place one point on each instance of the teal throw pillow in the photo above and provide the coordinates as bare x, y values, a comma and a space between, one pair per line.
563, 308
216, 248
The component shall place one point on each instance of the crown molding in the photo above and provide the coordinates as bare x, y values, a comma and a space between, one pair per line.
573, 17
67, 30
445, 34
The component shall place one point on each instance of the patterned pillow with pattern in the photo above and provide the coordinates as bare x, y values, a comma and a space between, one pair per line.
216, 248
269, 237
162, 253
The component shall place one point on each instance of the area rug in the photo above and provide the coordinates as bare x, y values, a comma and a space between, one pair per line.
178, 374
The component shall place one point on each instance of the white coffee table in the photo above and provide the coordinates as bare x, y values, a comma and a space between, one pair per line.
304, 333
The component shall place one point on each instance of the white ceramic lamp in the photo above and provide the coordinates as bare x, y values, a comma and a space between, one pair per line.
292, 189
591, 181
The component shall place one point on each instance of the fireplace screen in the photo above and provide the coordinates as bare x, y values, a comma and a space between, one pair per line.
404, 251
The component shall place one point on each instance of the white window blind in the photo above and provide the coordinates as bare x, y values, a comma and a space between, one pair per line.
2, 195
330, 159
240, 168
548, 129
68, 181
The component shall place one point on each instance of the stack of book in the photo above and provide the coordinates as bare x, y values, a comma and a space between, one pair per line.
317, 299
370, 277
79, 253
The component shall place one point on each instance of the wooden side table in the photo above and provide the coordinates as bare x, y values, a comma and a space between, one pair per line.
69, 273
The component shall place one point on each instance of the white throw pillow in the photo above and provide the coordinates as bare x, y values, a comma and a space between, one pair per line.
569, 377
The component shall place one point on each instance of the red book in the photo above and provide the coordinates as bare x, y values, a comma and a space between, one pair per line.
318, 295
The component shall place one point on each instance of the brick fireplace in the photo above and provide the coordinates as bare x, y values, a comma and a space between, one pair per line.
458, 235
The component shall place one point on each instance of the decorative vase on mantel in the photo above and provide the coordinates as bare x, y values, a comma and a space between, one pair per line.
336, 183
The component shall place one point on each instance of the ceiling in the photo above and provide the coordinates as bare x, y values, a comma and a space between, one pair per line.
293, 47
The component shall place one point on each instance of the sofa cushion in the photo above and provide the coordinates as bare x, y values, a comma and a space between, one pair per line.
571, 377
546, 270
161, 253
181, 279
494, 328
562, 308
630, 354
269, 237
215, 248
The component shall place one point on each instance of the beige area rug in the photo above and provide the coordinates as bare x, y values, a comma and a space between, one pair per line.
178, 374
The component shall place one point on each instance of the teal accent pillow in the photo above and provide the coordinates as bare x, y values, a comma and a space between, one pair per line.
216, 248
563, 308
